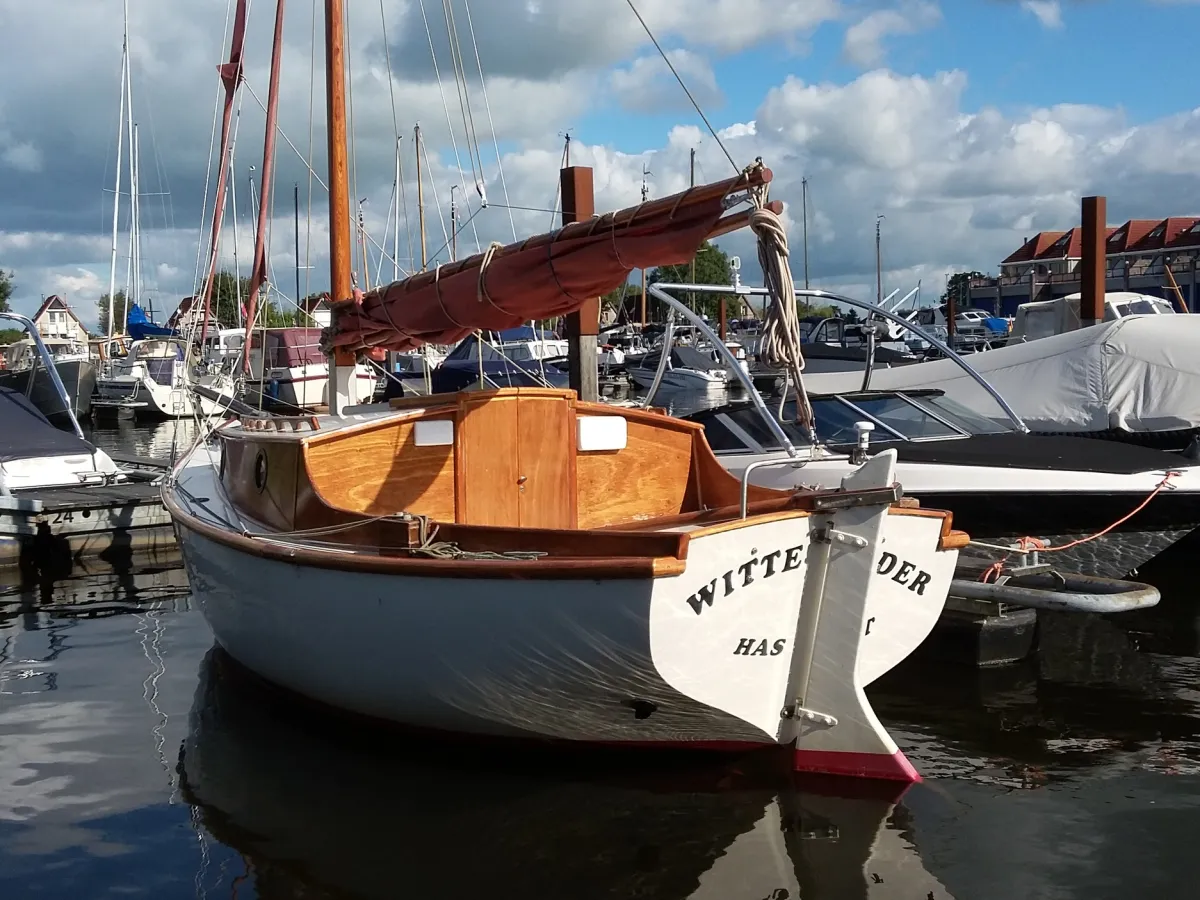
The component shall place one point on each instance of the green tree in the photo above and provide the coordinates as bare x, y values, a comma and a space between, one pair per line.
6, 290
711, 267
7, 335
958, 286
118, 310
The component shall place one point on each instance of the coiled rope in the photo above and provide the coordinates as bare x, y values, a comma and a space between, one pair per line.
780, 345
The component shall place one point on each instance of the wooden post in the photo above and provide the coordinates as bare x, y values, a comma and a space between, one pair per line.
582, 326
1092, 281
340, 288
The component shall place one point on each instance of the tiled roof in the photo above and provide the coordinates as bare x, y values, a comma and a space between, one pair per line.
1032, 247
1163, 233
1129, 234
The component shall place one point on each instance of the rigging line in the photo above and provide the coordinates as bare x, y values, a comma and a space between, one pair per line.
527, 208
491, 122
387, 60
667, 60
465, 223
312, 76
387, 229
558, 184
404, 200
445, 108
436, 201
283, 134
464, 96
212, 145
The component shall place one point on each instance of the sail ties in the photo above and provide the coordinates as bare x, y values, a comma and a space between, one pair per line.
482, 293
780, 347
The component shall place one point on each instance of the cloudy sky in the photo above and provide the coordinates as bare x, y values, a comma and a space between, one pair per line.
968, 124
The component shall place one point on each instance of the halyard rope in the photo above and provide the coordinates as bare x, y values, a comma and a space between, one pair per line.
780, 346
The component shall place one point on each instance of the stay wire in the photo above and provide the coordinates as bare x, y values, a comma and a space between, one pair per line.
696, 105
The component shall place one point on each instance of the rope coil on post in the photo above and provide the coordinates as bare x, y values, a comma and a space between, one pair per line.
780, 346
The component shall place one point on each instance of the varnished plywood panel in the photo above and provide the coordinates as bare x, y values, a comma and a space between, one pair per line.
272, 500
648, 479
546, 457
381, 471
488, 463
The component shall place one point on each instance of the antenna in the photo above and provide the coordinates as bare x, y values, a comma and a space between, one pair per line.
645, 187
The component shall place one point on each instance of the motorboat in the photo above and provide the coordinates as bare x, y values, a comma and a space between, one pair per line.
1001, 483
156, 380
687, 369
23, 371
518, 564
512, 357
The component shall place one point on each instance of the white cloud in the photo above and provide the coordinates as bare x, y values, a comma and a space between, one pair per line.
647, 85
1048, 12
863, 43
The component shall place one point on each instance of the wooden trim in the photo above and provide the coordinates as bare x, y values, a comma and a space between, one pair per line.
622, 568
948, 539
954, 540
761, 519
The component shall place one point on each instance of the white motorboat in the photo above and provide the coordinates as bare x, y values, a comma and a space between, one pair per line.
687, 369
155, 380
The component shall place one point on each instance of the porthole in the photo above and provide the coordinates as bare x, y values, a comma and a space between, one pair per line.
260, 471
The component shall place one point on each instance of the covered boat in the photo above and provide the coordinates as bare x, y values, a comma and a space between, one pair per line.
1136, 378
289, 372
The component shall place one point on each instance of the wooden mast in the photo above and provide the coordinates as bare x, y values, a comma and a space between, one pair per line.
342, 365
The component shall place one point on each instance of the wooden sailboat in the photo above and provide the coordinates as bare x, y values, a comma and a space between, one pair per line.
521, 564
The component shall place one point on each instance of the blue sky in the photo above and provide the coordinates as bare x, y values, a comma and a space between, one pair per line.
1124, 53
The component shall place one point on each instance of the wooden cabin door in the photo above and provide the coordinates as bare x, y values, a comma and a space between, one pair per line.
517, 463
546, 458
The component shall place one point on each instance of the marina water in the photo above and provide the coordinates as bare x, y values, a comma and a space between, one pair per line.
136, 760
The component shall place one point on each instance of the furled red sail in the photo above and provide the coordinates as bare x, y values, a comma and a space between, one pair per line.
539, 278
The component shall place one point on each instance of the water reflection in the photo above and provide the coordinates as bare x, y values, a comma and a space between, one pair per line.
311, 803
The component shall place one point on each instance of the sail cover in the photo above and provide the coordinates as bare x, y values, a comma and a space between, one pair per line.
539, 278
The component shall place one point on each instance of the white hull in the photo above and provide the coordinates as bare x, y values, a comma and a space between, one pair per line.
679, 379
705, 658
145, 396
306, 387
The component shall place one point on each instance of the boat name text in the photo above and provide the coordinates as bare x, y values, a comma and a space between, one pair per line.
905, 573
777, 561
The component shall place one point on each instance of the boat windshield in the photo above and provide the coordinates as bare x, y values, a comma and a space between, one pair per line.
897, 416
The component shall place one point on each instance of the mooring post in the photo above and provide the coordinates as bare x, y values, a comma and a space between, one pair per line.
1092, 266
582, 326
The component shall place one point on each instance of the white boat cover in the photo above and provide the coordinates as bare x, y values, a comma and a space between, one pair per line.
1137, 374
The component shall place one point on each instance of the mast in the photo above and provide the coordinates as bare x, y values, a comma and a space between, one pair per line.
453, 224
231, 77
341, 367
420, 196
112, 269
237, 266
135, 234
804, 206
396, 226
645, 197
296, 221
878, 265
258, 274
